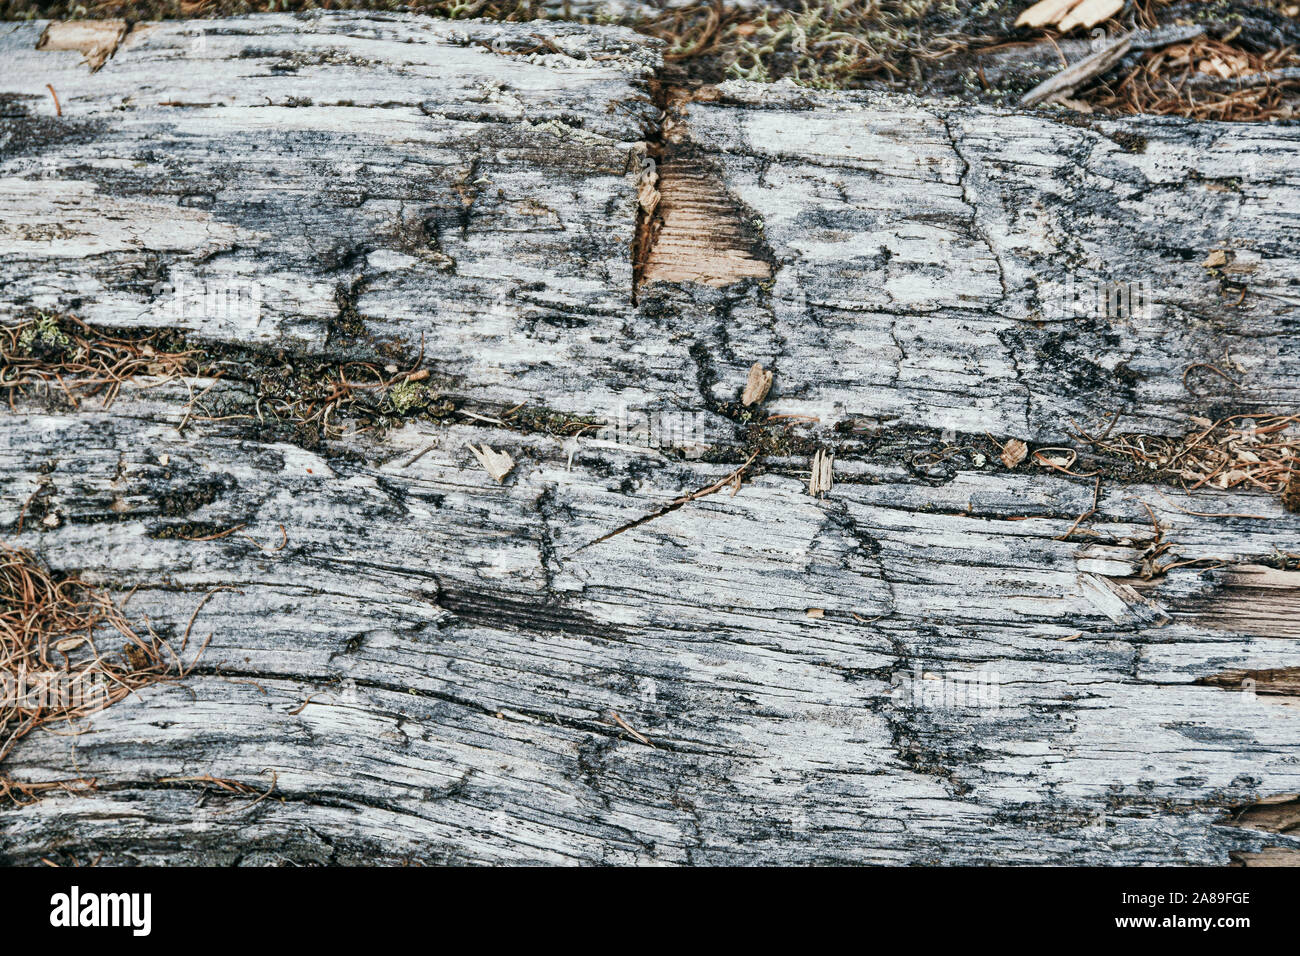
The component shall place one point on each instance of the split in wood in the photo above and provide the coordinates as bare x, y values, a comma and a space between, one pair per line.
698, 231
1275, 682
229, 786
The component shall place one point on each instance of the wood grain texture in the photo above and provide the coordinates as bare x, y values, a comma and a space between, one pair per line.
975, 688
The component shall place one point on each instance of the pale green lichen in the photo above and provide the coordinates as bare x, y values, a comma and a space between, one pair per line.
405, 396
44, 334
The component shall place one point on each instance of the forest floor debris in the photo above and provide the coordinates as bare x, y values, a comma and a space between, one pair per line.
849, 44
52, 668
61, 356
1240, 451
1205, 79
83, 362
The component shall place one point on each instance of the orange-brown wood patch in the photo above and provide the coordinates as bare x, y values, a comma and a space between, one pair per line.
699, 234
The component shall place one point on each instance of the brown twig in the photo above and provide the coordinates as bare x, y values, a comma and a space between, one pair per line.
734, 479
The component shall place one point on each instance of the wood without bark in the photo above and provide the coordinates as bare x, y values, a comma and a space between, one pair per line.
978, 686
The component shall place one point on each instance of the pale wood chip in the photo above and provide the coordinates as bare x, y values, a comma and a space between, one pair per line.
1014, 452
1215, 259
1045, 12
647, 193
496, 463
757, 386
820, 482
816, 612
1079, 106
1090, 13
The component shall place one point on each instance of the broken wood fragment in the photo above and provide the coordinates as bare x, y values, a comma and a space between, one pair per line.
820, 481
97, 40
757, 385
1078, 74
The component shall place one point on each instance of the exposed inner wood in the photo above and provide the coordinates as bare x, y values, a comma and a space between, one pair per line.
97, 39
701, 235
1279, 681
1255, 600
1269, 856
1278, 814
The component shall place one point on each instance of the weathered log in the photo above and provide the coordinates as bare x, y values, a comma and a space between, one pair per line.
935, 661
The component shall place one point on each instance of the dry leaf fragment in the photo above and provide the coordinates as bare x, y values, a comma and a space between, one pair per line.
757, 386
1215, 259
1068, 14
496, 463
1045, 12
820, 482
1090, 13
1014, 452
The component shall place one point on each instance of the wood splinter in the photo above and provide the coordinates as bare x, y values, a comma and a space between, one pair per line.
1075, 76
820, 481
757, 386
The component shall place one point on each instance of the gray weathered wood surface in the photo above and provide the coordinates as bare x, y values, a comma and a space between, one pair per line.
391, 181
